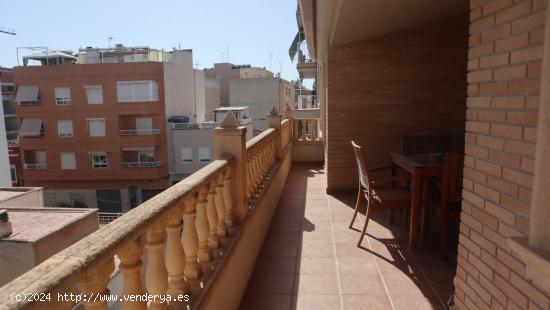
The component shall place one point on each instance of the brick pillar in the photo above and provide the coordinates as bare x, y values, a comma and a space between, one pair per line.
274, 121
231, 138
539, 230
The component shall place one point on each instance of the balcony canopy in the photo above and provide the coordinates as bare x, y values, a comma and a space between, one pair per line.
27, 93
31, 127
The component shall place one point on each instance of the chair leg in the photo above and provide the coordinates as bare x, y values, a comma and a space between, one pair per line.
425, 220
357, 205
367, 217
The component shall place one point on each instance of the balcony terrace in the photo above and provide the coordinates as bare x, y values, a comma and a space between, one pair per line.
310, 259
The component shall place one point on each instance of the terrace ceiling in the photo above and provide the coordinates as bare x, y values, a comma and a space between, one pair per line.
358, 20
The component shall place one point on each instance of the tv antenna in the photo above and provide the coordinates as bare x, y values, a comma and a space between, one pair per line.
109, 39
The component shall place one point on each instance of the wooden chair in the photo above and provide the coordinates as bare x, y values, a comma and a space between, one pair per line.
450, 188
378, 193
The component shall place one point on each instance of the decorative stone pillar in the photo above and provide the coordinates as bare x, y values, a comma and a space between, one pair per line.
94, 283
204, 254
156, 276
220, 206
130, 264
175, 258
274, 121
231, 138
227, 198
212, 214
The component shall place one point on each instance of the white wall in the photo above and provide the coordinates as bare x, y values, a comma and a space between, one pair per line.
5, 177
200, 96
259, 94
179, 86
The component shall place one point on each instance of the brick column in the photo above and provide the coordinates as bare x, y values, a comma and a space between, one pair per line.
231, 138
539, 229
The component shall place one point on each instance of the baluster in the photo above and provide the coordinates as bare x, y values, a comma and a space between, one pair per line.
156, 276
190, 239
227, 198
175, 258
94, 283
220, 206
130, 264
211, 213
204, 253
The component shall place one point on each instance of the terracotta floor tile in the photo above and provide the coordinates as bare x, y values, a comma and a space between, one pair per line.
310, 259
316, 266
316, 284
317, 249
368, 284
362, 302
414, 301
316, 302
276, 265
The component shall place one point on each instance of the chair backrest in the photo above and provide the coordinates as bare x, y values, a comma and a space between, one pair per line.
427, 144
362, 166
451, 181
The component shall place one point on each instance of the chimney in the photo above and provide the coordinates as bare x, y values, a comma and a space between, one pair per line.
5, 225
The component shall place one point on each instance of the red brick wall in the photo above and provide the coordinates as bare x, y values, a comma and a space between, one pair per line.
503, 83
405, 83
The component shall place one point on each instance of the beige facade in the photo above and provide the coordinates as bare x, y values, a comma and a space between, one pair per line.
261, 95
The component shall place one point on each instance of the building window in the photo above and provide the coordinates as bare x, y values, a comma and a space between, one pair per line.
49, 200
13, 172
146, 156
186, 155
62, 95
204, 154
137, 91
96, 127
68, 161
65, 129
94, 93
99, 161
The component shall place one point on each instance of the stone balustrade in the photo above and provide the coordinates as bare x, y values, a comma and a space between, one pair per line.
181, 230
187, 240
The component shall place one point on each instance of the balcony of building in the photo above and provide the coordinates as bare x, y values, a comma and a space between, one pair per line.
35, 160
138, 125
139, 157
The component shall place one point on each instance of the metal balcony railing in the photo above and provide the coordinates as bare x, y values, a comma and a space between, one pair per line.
139, 132
107, 217
35, 166
141, 164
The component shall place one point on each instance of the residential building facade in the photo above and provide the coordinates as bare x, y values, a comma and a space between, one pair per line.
261, 95
94, 134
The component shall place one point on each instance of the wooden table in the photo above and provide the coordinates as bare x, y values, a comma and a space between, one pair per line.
420, 166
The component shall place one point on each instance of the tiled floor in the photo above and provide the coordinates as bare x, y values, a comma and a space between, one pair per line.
310, 259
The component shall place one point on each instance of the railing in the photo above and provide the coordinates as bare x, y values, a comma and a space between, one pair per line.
191, 233
141, 164
29, 103
178, 261
35, 166
307, 130
107, 217
139, 132
185, 126
261, 155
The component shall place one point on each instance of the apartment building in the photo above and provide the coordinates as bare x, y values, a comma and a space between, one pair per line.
93, 133
261, 94
6, 84
190, 146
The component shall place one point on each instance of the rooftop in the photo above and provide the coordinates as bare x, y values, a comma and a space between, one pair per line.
32, 224
8, 193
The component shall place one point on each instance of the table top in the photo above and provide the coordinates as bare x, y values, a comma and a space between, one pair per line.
410, 162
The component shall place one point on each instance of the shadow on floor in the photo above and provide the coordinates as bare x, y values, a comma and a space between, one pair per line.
310, 258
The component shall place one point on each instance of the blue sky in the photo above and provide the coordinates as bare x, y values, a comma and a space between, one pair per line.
253, 29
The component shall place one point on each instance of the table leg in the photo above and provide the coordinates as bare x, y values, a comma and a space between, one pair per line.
415, 199
425, 220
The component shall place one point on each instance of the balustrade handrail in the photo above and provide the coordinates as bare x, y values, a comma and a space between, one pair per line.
254, 141
61, 272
